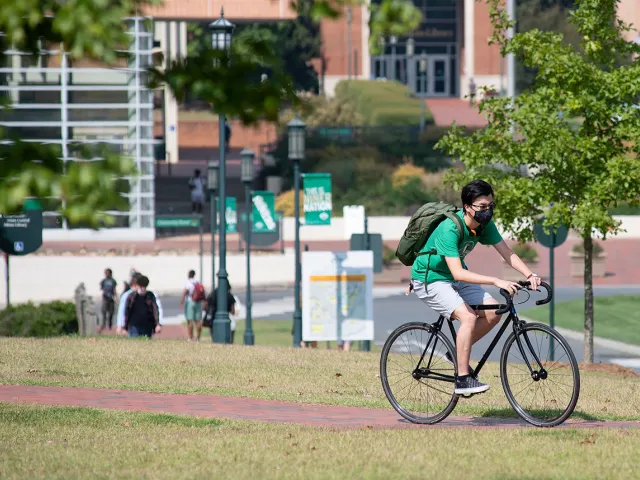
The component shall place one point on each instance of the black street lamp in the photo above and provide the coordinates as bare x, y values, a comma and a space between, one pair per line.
296, 129
212, 184
246, 176
221, 31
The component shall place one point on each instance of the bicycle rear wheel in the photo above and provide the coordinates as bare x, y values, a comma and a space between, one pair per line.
417, 379
542, 391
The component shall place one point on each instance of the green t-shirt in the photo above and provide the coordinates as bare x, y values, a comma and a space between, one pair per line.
445, 240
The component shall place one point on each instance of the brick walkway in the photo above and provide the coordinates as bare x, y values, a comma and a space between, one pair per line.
254, 409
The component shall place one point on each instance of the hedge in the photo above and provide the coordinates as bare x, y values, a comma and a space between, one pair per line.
44, 320
382, 102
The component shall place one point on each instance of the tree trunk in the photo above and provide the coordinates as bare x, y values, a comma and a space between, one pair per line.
588, 299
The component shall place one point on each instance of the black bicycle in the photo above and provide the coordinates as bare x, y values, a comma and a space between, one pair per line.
539, 372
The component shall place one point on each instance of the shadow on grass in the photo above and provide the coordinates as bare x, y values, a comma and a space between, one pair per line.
510, 413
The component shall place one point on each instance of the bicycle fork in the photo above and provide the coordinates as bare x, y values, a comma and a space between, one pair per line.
536, 375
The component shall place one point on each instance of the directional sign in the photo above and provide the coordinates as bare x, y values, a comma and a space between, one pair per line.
553, 238
21, 234
177, 222
317, 199
264, 215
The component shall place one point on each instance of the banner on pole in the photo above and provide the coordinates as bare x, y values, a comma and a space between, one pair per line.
317, 198
264, 216
231, 215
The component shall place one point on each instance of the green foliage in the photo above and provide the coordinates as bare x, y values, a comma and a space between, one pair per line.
582, 171
382, 102
86, 28
526, 252
233, 88
389, 17
87, 188
320, 111
297, 42
45, 320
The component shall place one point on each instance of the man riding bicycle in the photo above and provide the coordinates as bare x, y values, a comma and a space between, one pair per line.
450, 286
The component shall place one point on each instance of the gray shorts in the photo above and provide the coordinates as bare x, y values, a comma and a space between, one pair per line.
445, 297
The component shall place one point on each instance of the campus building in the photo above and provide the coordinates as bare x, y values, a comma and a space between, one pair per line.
60, 101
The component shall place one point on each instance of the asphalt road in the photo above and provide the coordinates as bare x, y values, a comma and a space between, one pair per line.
395, 309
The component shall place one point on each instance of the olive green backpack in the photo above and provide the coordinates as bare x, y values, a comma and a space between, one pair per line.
421, 226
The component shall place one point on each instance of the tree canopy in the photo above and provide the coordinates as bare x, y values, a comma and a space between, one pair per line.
567, 148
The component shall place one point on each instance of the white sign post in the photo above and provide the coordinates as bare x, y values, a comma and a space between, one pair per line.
353, 216
337, 296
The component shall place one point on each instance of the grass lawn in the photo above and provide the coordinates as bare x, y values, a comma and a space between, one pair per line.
616, 317
67, 443
275, 333
277, 373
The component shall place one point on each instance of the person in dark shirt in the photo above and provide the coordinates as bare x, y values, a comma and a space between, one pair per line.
210, 309
141, 312
108, 286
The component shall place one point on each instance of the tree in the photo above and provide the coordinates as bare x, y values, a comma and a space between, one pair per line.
297, 42
538, 160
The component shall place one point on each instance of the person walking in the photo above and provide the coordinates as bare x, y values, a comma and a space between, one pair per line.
197, 185
141, 317
108, 286
192, 300
133, 283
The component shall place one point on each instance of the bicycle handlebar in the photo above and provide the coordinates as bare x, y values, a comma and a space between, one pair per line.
523, 284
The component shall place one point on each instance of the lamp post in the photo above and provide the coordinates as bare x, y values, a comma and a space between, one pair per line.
394, 40
423, 89
410, 65
212, 184
247, 178
296, 129
221, 31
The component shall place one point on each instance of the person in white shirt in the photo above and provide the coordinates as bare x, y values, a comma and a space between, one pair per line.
123, 303
193, 305
197, 185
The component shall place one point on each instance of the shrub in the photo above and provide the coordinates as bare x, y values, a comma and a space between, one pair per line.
286, 204
526, 252
597, 249
45, 320
406, 172
382, 103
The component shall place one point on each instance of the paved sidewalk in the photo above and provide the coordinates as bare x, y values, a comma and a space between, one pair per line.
234, 408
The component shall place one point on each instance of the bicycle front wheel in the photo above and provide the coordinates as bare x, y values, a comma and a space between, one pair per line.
540, 375
417, 377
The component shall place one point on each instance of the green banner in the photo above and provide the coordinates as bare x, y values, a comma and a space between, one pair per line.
317, 198
264, 216
232, 215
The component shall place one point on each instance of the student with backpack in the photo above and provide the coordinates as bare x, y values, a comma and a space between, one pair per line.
193, 297
435, 244
141, 318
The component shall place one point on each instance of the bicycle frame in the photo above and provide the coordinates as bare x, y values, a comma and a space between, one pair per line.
511, 318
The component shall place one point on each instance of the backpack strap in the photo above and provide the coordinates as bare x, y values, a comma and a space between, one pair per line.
458, 221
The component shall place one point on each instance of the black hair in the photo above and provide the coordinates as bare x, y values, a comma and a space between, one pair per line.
196, 172
109, 270
192, 273
475, 189
142, 281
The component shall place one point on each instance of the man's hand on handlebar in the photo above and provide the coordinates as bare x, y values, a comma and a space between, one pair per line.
511, 287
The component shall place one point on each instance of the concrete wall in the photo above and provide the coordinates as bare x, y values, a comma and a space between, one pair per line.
392, 228
39, 279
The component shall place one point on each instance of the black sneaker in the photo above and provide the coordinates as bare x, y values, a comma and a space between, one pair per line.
449, 360
469, 386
